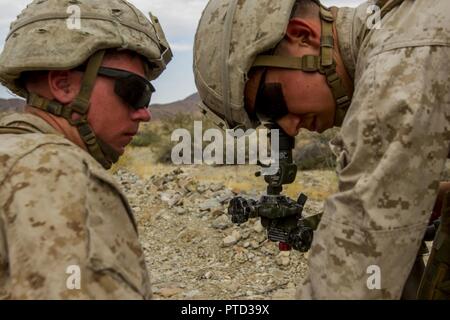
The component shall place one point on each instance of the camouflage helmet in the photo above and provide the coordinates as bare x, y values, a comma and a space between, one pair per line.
45, 37
63, 34
233, 36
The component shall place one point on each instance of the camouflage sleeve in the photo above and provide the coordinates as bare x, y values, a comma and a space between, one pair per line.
391, 152
68, 233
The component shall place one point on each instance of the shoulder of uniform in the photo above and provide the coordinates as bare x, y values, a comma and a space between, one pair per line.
50, 153
67, 169
18, 146
44, 151
57, 152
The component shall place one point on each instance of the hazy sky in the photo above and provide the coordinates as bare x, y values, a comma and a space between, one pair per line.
179, 20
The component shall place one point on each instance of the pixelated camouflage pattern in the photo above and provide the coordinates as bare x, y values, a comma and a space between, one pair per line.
391, 151
59, 207
51, 45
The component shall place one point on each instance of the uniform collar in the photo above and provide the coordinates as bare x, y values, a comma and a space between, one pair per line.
29, 122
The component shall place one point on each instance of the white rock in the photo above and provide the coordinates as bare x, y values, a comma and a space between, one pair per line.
236, 234
223, 222
216, 187
229, 241
209, 205
258, 227
225, 196
191, 294
240, 257
282, 259
232, 239
254, 244
245, 233
180, 210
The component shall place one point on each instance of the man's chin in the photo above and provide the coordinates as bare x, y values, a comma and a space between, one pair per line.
121, 146
119, 150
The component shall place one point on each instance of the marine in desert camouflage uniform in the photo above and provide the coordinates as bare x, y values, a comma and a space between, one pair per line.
61, 214
395, 133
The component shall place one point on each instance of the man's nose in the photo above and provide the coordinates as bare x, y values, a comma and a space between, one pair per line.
142, 115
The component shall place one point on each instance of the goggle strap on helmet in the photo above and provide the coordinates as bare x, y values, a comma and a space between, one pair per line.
167, 54
324, 64
329, 67
306, 63
80, 106
327, 39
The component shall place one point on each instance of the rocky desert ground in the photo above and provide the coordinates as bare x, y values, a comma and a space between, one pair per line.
192, 249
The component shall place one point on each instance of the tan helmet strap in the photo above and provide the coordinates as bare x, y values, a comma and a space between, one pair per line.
76, 112
324, 64
329, 67
305, 63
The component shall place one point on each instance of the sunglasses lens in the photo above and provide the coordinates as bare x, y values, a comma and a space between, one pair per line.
135, 91
270, 101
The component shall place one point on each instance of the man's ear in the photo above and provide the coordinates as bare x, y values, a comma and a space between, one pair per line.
303, 32
64, 85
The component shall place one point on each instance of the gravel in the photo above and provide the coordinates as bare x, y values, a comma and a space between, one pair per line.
193, 251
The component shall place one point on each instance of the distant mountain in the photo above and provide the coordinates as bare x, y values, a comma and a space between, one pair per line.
11, 105
159, 111
169, 110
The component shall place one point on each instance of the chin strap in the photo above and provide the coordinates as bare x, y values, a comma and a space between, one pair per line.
323, 64
76, 113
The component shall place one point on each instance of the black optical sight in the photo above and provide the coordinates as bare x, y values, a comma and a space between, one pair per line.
280, 215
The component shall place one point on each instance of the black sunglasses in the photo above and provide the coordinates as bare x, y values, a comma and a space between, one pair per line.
133, 89
270, 100
136, 91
